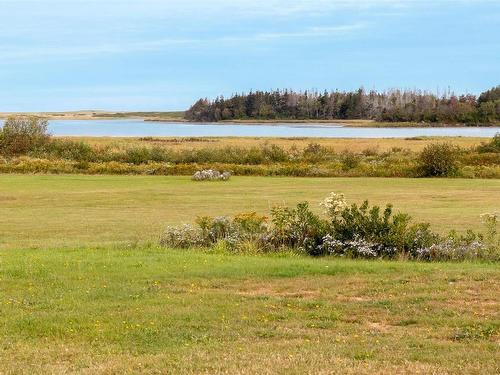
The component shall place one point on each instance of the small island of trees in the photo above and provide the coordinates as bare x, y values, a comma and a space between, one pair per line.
387, 106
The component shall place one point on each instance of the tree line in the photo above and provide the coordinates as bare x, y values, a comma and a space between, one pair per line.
390, 106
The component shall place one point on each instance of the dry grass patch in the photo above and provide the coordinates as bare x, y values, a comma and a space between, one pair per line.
338, 144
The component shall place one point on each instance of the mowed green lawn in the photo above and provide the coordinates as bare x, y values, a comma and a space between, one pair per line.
151, 310
92, 297
48, 211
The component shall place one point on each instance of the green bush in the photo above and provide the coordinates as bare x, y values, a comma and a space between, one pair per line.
439, 160
296, 228
492, 146
348, 230
315, 153
23, 134
349, 160
136, 155
69, 150
381, 233
274, 153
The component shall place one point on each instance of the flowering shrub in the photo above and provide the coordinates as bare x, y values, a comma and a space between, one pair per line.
248, 227
251, 222
296, 228
357, 248
351, 231
450, 250
362, 248
455, 247
334, 204
211, 175
383, 231
469, 246
185, 236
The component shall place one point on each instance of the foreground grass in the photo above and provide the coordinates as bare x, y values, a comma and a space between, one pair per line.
145, 310
55, 211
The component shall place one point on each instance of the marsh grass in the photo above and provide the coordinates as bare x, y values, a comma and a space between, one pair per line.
259, 157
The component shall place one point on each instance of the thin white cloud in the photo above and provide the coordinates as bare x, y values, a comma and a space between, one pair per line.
207, 8
16, 54
316, 31
55, 26
76, 52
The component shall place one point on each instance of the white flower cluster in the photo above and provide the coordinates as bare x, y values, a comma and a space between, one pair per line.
331, 245
451, 250
185, 236
362, 248
334, 204
357, 247
211, 175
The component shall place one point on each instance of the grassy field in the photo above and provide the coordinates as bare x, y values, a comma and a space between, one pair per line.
64, 211
82, 292
148, 310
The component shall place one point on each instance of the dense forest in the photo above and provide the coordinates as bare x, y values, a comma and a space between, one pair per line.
390, 106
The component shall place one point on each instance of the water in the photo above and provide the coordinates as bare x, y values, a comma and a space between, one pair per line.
139, 128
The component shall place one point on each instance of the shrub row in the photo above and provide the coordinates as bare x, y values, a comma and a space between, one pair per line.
356, 231
25, 164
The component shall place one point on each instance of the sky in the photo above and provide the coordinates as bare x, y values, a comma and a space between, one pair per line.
61, 55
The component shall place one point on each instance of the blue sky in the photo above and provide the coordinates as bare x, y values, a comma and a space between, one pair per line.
163, 55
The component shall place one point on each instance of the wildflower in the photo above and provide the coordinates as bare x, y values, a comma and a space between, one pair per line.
362, 248
332, 246
334, 204
451, 249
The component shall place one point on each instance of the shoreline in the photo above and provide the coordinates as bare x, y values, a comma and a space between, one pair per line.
97, 116
326, 123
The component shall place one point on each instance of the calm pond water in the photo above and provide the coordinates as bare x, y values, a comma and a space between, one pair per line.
139, 128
